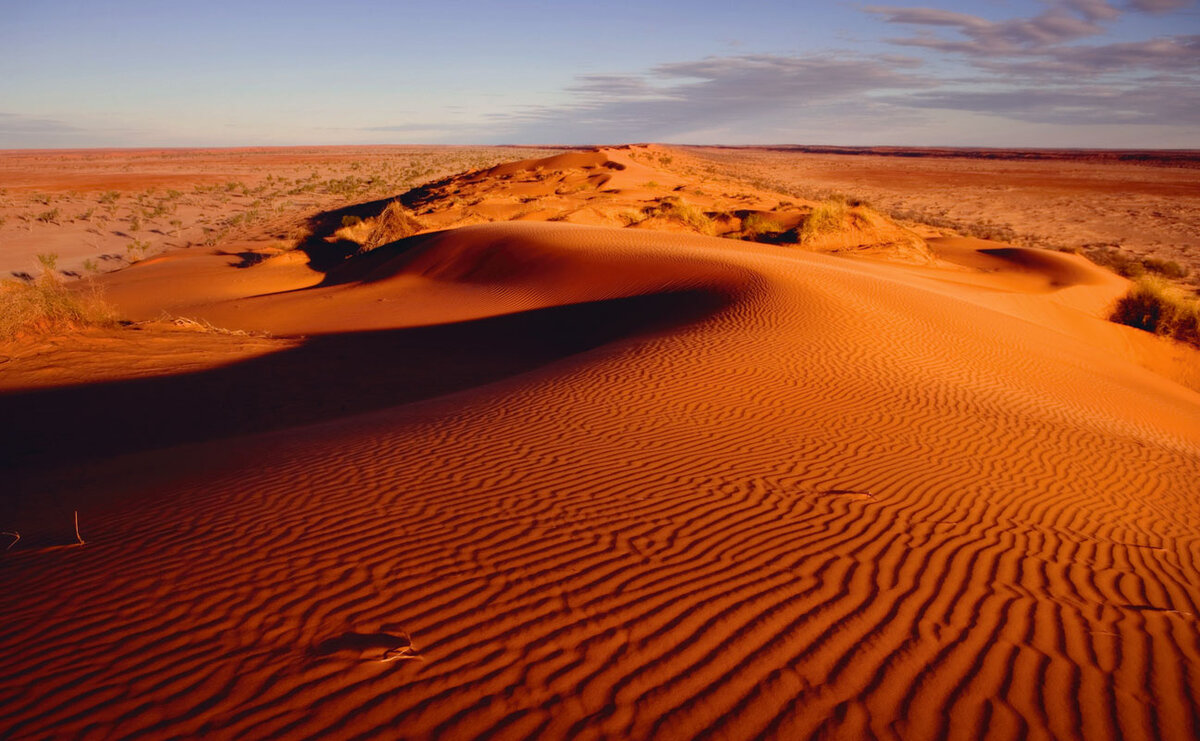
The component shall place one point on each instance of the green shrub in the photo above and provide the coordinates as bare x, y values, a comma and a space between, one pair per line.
1150, 306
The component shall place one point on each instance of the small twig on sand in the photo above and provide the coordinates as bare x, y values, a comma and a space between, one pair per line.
402, 653
77, 536
14, 535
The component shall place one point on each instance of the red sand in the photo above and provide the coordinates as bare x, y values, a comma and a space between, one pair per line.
560, 481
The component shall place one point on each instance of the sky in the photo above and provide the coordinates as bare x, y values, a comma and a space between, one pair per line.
1002, 73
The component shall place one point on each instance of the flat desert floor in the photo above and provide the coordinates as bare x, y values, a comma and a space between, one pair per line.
595, 444
1146, 204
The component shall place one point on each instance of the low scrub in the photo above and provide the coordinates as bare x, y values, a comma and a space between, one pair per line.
1131, 266
756, 226
395, 223
47, 304
677, 209
828, 216
1150, 305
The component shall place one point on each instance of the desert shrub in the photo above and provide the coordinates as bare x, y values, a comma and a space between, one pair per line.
826, 217
137, 249
351, 220
49, 217
1116, 260
47, 304
1150, 305
759, 228
756, 224
677, 209
1166, 268
393, 224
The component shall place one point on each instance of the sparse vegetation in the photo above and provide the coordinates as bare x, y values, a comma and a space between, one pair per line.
1165, 268
677, 209
825, 217
199, 325
136, 250
755, 226
1152, 306
1131, 266
47, 304
393, 224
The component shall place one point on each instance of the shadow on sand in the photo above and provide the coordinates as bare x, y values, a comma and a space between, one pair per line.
326, 377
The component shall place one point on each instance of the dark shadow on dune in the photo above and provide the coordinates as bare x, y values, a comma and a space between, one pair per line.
326, 377
324, 255
356, 643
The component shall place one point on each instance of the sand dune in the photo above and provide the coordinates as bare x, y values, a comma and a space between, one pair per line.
545, 480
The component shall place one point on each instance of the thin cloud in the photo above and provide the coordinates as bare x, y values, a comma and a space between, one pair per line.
988, 38
1038, 69
1154, 105
673, 99
1158, 6
1093, 10
17, 123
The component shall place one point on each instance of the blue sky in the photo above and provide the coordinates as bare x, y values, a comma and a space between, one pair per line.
1088, 73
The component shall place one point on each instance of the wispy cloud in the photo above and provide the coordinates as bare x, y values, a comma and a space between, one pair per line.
1159, 6
674, 99
1154, 105
17, 123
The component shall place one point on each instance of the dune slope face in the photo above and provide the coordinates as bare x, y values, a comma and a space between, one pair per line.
793, 496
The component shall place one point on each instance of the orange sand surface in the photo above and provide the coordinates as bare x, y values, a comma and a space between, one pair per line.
542, 470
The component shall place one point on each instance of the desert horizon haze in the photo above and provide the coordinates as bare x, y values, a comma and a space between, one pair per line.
562, 370
1027, 73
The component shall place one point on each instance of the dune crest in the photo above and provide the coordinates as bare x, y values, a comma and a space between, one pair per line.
548, 480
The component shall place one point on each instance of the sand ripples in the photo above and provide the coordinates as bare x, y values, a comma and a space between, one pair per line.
838, 506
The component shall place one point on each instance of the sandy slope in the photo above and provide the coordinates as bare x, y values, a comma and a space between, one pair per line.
557, 481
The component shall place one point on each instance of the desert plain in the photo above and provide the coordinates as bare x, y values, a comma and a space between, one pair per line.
625, 442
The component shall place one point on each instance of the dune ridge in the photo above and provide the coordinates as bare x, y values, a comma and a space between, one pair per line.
814, 497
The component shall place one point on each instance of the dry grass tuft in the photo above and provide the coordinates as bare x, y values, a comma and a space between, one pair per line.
199, 325
677, 209
47, 304
828, 216
756, 226
1152, 306
395, 223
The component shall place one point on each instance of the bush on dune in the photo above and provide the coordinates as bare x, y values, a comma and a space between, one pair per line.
826, 217
677, 209
756, 226
1150, 305
47, 304
394, 223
